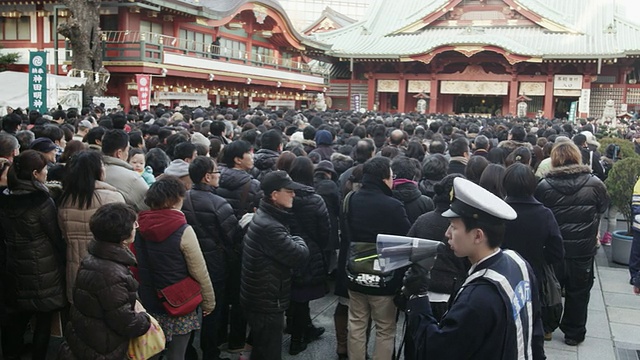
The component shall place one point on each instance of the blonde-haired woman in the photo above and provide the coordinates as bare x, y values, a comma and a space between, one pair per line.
577, 199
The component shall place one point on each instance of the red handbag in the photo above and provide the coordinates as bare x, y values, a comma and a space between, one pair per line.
182, 297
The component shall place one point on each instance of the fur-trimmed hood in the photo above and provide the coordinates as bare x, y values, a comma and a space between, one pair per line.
568, 170
511, 145
569, 179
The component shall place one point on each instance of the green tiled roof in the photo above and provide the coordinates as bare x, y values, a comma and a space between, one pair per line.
592, 29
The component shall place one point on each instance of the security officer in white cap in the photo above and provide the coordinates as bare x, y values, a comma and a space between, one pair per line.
496, 313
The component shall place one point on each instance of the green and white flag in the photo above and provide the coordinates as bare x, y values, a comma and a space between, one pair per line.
38, 81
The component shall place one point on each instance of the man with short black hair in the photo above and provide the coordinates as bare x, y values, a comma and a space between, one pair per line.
264, 160
515, 139
437, 147
218, 232
372, 210
11, 123
59, 116
459, 153
183, 154
218, 130
270, 253
590, 157
118, 172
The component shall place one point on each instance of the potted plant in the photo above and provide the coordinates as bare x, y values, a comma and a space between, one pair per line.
620, 183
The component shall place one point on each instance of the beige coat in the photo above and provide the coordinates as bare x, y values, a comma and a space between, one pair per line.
198, 267
74, 224
129, 183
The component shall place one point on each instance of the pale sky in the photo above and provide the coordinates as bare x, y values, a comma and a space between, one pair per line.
631, 8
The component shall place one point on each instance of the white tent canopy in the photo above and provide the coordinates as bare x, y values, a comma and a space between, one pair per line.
15, 92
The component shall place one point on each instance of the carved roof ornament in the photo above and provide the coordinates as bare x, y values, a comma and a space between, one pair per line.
327, 24
260, 12
473, 69
469, 50
473, 30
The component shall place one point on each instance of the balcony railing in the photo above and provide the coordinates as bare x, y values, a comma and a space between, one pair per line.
149, 47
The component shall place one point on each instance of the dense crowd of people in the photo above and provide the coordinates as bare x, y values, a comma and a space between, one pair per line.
265, 209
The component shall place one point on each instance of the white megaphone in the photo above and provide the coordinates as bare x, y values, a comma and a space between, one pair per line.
396, 251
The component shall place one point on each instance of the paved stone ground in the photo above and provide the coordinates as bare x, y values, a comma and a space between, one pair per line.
613, 326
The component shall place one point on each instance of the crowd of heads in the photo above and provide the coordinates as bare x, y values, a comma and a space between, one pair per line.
417, 147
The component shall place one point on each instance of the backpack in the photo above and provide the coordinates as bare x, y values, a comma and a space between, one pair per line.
362, 257
612, 153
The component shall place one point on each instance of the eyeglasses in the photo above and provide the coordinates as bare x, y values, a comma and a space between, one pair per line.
214, 172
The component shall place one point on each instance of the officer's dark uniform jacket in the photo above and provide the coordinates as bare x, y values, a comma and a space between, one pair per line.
495, 315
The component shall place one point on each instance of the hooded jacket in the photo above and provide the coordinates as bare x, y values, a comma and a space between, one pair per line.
312, 224
103, 320
214, 222
165, 239
264, 161
577, 199
415, 204
241, 191
34, 248
269, 254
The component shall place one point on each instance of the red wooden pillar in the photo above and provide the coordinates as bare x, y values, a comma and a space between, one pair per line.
371, 95
402, 94
433, 94
548, 98
513, 95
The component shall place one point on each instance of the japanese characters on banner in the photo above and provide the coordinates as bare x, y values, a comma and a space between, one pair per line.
584, 103
355, 101
38, 81
144, 90
567, 82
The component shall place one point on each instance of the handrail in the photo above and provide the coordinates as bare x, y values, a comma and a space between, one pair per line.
205, 50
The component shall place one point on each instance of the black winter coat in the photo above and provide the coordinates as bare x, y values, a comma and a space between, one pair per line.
35, 268
534, 234
217, 229
264, 161
103, 319
449, 271
577, 200
373, 211
324, 151
312, 224
415, 203
269, 254
331, 196
456, 167
240, 190
426, 187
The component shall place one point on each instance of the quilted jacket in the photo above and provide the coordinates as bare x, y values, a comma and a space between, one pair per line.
269, 254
